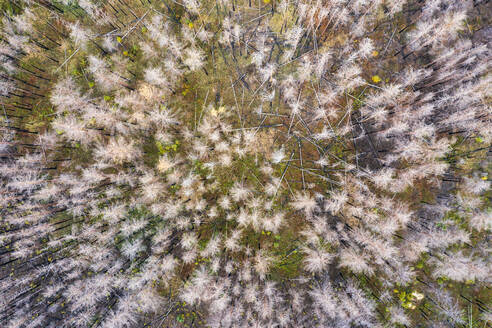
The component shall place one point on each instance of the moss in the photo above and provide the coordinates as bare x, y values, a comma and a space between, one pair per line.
41, 117
242, 169
283, 21
152, 151
358, 101
453, 218
467, 153
427, 195
61, 217
421, 191
337, 149
200, 169
10, 9
289, 259
289, 268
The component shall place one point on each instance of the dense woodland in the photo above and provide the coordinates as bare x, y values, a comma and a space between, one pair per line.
245, 163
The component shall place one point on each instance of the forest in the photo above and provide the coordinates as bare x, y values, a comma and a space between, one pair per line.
245, 163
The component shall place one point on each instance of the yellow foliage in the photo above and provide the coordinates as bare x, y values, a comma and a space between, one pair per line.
217, 111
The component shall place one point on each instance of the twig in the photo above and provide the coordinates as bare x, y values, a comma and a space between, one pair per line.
302, 171
134, 26
237, 107
66, 60
201, 113
283, 173
391, 39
